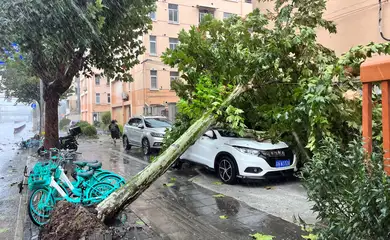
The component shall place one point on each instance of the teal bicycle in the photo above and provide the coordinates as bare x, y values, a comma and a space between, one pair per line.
50, 184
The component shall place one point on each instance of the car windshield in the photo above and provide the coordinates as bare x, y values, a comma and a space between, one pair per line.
157, 123
226, 133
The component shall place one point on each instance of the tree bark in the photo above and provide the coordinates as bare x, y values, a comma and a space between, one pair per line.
140, 182
51, 120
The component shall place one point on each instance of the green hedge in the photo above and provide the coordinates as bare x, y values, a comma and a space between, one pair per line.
90, 131
87, 129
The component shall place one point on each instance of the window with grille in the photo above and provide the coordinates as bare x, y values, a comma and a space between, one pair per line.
173, 43
153, 79
173, 13
97, 98
97, 79
153, 45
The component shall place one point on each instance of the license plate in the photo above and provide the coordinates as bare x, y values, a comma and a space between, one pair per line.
282, 163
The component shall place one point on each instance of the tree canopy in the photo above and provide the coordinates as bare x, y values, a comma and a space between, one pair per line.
66, 37
16, 81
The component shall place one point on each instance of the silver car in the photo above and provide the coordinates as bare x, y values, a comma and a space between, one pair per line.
146, 132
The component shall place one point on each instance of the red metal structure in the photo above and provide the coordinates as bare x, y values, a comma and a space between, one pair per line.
376, 70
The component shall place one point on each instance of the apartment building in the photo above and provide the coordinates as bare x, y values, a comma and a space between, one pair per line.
73, 102
95, 96
151, 93
356, 20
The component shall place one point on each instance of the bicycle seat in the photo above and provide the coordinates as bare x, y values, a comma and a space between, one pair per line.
86, 174
96, 165
83, 163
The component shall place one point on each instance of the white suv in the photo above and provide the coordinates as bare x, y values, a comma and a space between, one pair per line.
146, 132
234, 157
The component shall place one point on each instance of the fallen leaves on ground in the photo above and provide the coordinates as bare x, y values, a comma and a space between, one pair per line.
259, 236
269, 187
218, 183
218, 195
169, 184
311, 236
173, 179
223, 217
139, 222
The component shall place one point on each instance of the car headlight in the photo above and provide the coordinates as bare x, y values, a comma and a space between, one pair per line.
248, 150
273, 153
154, 134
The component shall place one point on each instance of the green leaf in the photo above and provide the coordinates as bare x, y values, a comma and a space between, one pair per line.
218, 196
310, 236
217, 183
139, 222
3, 230
223, 217
169, 184
259, 236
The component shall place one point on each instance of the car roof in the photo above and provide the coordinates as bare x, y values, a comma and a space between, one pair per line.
142, 116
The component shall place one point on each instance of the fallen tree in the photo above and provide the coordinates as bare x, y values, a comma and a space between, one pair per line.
219, 55
140, 182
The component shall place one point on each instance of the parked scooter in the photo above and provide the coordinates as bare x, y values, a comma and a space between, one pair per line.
68, 142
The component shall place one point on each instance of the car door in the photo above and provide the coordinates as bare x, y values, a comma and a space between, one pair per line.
205, 149
138, 132
131, 130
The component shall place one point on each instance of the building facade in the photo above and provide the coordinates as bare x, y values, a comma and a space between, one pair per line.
95, 96
357, 23
151, 93
73, 106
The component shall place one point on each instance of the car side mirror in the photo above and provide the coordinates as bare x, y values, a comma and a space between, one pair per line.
209, 134
141, 126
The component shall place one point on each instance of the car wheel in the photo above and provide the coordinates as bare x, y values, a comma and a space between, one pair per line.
227, 170
145, 146
126, 144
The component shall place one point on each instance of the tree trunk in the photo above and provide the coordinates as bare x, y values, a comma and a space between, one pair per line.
51, 120
140, 182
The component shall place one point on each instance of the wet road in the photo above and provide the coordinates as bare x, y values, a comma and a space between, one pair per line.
12, 162
185, 205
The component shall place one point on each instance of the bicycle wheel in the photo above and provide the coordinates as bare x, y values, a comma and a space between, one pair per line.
99, 191
114, 180
40, 206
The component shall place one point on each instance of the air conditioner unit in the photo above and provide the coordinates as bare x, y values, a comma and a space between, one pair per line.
125, 96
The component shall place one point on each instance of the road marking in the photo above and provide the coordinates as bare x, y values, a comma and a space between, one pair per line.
19, 222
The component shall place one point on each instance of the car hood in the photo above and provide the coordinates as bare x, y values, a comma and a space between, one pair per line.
250, 143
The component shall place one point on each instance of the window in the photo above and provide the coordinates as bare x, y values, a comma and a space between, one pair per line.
173, 11
97, 98
173, 43
153, 45
248, 1
203, 13
134, 122
153, 79
227, 15
152, 16
97, 79
173, 76
108, 98
157, 123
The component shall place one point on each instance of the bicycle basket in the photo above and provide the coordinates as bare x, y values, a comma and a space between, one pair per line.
40, 176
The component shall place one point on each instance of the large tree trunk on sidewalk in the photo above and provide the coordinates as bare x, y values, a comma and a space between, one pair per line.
51, 120
140, 182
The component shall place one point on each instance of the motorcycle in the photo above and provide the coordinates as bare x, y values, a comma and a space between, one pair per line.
67, 142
